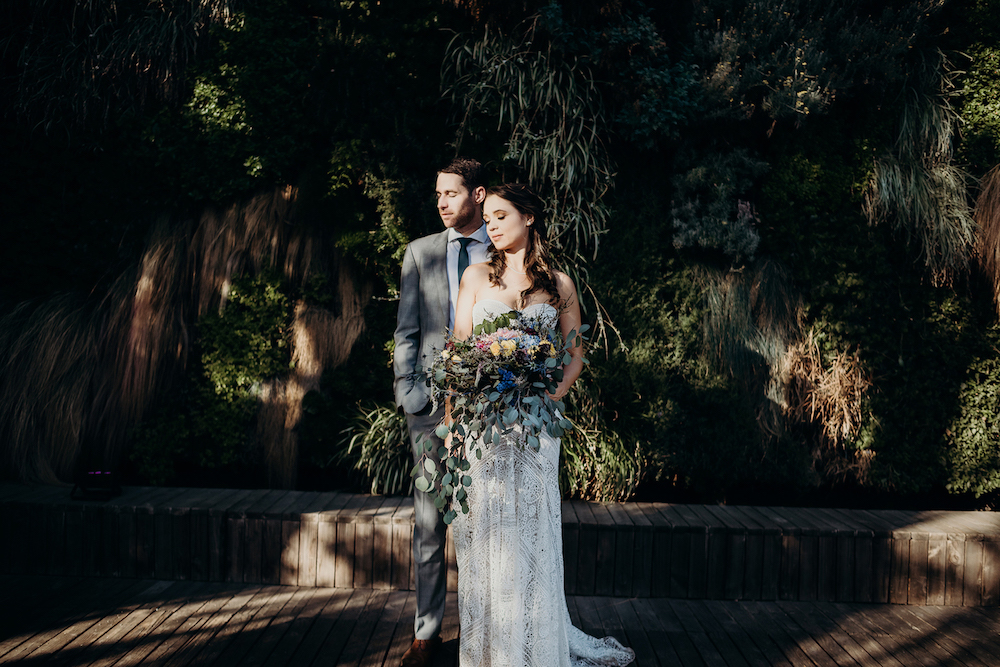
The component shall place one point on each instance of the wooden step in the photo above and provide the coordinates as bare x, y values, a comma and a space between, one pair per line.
611, 549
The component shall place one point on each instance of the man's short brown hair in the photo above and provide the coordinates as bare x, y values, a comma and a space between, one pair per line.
472, 173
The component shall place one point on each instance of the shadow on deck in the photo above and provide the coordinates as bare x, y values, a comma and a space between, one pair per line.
48, 620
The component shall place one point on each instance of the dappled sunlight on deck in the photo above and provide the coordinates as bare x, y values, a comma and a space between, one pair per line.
97, 621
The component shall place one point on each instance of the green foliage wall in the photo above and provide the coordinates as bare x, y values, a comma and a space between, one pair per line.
205, 428
973, 455
736, 136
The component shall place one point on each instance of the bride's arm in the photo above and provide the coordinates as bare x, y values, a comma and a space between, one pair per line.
569, 321
472, 280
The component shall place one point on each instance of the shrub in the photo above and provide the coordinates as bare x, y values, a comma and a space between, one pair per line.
973, 455
377, 444
596, 462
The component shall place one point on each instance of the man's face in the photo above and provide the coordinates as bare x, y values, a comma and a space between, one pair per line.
458, 207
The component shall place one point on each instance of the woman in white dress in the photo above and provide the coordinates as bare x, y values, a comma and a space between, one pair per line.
511, 599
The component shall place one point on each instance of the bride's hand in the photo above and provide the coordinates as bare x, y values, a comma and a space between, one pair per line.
453, 443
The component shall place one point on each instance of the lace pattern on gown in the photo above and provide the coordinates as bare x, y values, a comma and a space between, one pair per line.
511, 597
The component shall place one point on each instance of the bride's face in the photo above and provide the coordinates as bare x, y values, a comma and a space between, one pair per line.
508, 229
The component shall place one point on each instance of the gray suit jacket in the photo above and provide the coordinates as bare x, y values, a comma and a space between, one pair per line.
422, 317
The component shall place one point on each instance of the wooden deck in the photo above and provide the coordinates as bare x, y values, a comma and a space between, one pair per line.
625, 550
77, 621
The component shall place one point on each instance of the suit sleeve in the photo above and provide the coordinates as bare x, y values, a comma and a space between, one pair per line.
411, 394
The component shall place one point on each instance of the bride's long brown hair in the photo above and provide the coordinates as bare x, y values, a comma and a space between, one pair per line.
538, 258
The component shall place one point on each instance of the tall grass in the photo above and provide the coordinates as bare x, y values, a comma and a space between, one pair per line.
76, 378
80, 61
987, 215
827, 402
752, 316
916, 185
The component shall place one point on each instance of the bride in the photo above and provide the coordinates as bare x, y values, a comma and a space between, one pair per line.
511, 600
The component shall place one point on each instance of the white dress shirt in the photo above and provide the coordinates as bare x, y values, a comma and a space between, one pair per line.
478, 252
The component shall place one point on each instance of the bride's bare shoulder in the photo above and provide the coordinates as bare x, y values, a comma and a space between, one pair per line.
565, 285
476, 274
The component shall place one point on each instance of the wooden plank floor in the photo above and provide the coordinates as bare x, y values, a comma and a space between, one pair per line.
77, 621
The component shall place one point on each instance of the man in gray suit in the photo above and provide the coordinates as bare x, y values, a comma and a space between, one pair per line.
428, 290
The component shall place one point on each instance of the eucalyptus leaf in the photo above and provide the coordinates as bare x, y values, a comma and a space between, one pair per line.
422, 484
441, 431
429, 465
510, 416
449, 516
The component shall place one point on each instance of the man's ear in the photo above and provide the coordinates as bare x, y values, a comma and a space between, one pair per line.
479, 194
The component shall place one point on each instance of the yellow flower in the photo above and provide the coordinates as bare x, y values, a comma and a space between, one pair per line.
456, 358
508, 346
444, 354
495, 349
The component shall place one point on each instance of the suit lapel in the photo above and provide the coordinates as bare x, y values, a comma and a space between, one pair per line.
437, 264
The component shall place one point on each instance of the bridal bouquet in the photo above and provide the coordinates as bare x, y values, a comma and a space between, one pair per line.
499, 378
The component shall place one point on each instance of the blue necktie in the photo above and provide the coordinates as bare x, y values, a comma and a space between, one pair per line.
463, 257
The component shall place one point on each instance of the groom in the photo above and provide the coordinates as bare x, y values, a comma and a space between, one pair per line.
428, 291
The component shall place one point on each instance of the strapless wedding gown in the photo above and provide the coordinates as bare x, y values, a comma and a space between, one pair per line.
511, 598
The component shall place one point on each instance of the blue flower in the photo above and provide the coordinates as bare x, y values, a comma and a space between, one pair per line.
507, 380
